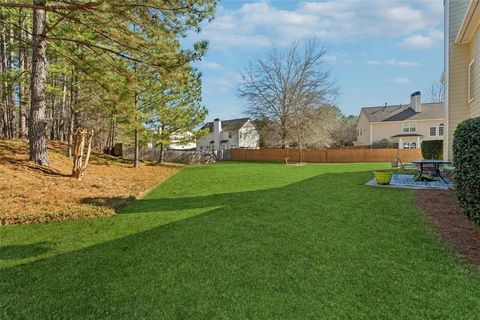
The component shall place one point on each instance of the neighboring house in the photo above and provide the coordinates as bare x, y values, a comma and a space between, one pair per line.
229, 134
462, 61
182, 141
406, 125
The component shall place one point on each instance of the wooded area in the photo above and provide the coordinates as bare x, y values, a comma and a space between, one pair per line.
118, 67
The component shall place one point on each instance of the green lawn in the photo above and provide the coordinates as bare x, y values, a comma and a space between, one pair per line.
237, 241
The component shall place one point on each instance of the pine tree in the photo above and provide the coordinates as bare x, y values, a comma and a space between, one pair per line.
97, 41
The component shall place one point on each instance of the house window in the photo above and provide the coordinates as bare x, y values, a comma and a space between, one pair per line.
409, 145
471, 81
409, 127
433, 131
230, 135
440, 129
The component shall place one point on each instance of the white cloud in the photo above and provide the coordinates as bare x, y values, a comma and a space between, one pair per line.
393, 63
261, 24
329, 58
211, 65
336, 59
400, 80
419, 41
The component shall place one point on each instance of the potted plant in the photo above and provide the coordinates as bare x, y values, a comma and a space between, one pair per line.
383, 177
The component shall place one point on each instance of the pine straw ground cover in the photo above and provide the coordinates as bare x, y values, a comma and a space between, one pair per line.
452, 226
31, 193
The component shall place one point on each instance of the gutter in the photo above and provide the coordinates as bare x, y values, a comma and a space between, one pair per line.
470, 23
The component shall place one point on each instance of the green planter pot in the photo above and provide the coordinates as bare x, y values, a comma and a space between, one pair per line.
383, 177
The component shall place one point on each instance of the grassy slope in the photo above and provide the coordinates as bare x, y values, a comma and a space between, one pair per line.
242, 241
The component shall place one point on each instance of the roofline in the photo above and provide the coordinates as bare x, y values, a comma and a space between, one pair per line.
407, 135
251, 122
418, 120
400, 105
470, 23
246, 119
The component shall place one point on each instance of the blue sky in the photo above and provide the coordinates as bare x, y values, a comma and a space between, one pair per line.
378, 50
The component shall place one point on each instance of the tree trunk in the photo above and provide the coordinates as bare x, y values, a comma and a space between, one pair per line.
135, 147
22, 64
24, 100
73, 98
70, 133
79, 164
162, 148
37, 130
53, 119
61, 120
11, 99
284, 138
3, 84
111, 137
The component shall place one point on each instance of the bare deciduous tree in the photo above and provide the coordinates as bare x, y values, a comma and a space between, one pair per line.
286, 86
436, 93
346, 132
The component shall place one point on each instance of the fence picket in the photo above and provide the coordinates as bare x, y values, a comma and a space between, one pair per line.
326, 155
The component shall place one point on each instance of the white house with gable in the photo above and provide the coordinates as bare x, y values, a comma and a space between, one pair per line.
229, 134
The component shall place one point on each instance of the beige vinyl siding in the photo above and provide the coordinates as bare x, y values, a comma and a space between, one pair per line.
363, 131
382, 130
456, 72
475, 55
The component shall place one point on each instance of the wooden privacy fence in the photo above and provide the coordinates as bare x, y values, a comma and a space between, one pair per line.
326, 155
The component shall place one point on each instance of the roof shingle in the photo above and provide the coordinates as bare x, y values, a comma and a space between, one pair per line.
228, 125
403, 112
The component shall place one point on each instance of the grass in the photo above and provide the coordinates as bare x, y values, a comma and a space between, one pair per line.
236, 241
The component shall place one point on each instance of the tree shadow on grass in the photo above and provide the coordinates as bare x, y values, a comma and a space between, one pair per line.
311, 249
13, 252
116, 203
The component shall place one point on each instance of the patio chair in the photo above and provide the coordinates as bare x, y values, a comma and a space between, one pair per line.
448, 171
402, 166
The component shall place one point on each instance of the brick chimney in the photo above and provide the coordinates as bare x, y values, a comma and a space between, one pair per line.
217, 129
416, 101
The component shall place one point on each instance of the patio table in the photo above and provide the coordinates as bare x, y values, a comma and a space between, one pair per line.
422, 165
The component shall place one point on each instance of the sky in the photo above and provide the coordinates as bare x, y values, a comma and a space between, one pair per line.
378, 51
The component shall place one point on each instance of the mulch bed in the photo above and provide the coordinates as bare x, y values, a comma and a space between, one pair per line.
453, 227
32, 194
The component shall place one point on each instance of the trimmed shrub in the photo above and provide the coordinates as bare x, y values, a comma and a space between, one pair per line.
432, 149
466, 158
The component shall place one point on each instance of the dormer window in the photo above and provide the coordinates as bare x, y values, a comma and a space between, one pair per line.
409, 127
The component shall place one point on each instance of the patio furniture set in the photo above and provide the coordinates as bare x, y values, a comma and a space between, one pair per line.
420, 174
